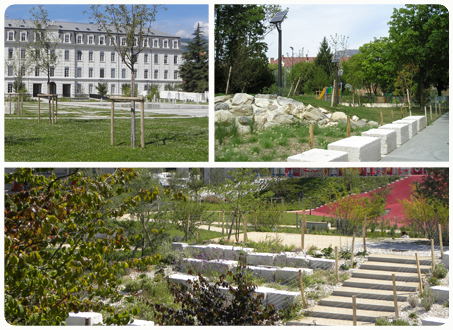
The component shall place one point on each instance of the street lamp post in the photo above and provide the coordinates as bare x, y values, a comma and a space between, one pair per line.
277, 20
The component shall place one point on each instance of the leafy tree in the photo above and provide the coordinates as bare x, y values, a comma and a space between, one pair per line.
419, 36
102, 88
353, 74
195, 70
127, 29
434, 187
206, 304
55, 244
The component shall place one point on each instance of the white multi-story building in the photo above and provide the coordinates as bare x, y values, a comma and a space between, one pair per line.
86, 57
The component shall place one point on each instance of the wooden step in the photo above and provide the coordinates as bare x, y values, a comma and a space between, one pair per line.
326, 321
370, 293
343, 313
361, 303
385, 275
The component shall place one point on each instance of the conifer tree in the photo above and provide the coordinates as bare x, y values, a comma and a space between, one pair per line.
324, 57
195, 70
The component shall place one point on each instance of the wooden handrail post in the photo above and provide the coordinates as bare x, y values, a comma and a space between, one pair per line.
440, 241
352, 251
354, 310
301, 283
395, 299
336, 264
419, 273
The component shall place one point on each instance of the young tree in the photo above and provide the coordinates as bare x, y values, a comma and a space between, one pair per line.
56, 242
324, 57
195, 70
127, 28
102, 88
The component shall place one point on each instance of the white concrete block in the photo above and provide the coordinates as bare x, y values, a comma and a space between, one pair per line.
441, 293
264, 291
182, 279
319, 155
194, 264
428, 321
413, 130
287, 273
282, 299
387, 136
421, 121
297, 261
235, 252
220, 266
84, 318
446, 259
214, 251
178, 246
321, 263
359, 148
195, 250
256, 258
142, 323
402, 132
280, 260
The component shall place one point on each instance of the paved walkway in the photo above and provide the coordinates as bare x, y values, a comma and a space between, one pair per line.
429, 145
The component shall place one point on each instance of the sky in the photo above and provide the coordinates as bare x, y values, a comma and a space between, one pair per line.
306, 25
179, 20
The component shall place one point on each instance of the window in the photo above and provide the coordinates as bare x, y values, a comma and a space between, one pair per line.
90, 72
123, 41
175, 43
10, 87
66, 71
156, 74
10, 35
79, 39
165, 59
22, 71
145, 58
145, 42
79, 88
145, 75
79, 55
155, 43
10, 70
66, 38
90, 40
175, 59
90, 56
112, 40
165, 43
101, 73
112, 57
79, 72
66, 54
23, 36
101, 40
112, 73
135, 42
36, 71
22, 53
156, 58
166, 74
123, 73
10, 53
90, 88
175, 75
112, 89
101, 56
52, 71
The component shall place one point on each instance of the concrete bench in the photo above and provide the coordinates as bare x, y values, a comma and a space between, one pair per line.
421, 121
387, 136
359, 148
84, 318
319, 155
413, 130
402, 132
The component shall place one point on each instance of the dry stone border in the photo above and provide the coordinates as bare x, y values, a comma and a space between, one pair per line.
271, 110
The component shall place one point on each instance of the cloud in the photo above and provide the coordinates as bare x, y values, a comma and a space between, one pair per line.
183, 34
203, 25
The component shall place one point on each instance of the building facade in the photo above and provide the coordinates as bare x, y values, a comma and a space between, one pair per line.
87, 57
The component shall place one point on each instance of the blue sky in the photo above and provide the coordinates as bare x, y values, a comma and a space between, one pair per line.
306, 26
180, 20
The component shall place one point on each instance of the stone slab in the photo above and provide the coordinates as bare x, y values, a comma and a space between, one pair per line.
387, 136
446, 259
413, 130
359, 148
256, 258
421, 121
319, 155
441, 293
234, 252
179, 246
195, 250
264, 291
297, 261
182, 279
141, 323
220, 266
280, 260
402, 132
290, 273
321, 263
282, 299
429, 321
84, 319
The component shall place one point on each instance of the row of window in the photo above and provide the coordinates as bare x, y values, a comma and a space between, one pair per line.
102, 40
113, 57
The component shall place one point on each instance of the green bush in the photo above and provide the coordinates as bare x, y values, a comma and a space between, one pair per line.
383, 321
440, 271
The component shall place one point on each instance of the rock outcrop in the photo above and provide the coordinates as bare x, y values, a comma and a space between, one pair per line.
270, 110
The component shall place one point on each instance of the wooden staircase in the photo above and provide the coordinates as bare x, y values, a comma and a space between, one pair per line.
373, 287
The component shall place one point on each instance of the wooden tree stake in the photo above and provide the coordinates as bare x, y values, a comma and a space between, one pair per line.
420, 283
395, 299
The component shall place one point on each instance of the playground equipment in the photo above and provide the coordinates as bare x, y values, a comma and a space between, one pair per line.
322, 93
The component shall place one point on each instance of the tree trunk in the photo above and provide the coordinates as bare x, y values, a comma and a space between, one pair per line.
132, 108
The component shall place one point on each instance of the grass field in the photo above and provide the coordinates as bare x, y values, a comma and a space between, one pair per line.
88, 140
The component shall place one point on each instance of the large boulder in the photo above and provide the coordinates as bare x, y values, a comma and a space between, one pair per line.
222, 98
280, 118
338, 115
263, 102
221, 106
242, 99
314, 114
224, 117
244, 120
242, 110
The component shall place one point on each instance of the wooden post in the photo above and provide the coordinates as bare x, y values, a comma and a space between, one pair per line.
419, 273
187, 229
354, 310
228, 82
393, 119
401, 112
301, 282
364, 234
39, 109
53, 109
432, 254
310, 141
336, 264
256, 221
10, 103
302, 231
440, 241
352, 251
348, 129
142, 123
395, 299
382, 119
245, 229
431, 111
112, 122
297, 220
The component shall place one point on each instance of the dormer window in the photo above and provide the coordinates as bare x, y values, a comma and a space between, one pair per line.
23, 36
10, 36
79, 39
156, 43
66, 38
101, 40
165, 43
90, 40
175, 43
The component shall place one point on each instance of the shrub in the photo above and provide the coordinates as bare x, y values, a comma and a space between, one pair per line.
413, 300
440, 271
211, 199
432, 281
205, 304
383, 321
427, 298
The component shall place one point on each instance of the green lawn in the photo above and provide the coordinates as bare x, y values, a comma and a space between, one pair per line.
88, 140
